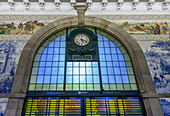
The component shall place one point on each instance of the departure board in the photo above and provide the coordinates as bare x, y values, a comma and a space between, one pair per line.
83, 106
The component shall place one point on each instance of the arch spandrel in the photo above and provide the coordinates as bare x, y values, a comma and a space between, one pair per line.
141, 70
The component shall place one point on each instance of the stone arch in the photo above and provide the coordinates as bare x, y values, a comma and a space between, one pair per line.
143, 77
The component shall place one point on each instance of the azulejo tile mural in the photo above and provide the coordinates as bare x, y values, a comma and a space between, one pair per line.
134, 24
165, 104
9, 55
158, 58
3, 105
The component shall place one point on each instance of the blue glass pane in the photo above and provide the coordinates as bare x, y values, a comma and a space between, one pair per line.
89, 79
75, 63
57, 44
95, 64
48, 63
95, 71
47, 70
106, 43
122, 63
125, 79
41, 71
89, 71
109, 64
100, 44
54, 71
118, 79
51, 44
118, 51
60, 79
113, 50
40, 79
103, 70
96, 79
63, 44
75, 70
75, 79
104, 79
101, 50
102, 63
88, 64
53, 79
102, 57
82, 64
117, 70
115, 64
69, 64
49, 57
82, 79
62, 50
120, 57
56, 50
50, 50
108, 58
43, 58
46, 79
68, 79
55, 64
63, 37
110, 70
69, 71
112, 44
61, 71
82, 71
123, 70
45, 51
107, 51
62, 57
114, 58
61, 64
42, 63
111, 79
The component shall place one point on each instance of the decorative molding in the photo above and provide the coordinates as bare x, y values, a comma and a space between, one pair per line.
136, 37
107, 17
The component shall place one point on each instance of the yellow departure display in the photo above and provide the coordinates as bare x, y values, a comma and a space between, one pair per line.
83, 106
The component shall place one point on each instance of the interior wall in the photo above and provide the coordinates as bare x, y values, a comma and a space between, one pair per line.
150, 31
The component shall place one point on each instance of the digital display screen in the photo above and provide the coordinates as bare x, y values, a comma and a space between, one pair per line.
83, 106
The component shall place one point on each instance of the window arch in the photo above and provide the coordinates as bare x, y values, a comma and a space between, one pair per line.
21, 81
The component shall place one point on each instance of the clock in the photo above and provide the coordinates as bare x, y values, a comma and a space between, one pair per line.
81, 40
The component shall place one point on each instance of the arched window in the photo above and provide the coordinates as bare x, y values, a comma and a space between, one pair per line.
91, 82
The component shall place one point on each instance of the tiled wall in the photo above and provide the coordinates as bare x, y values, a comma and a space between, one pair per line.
3, 105
16, 30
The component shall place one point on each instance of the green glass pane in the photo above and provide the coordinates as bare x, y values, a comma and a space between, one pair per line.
37, 57
53, 87
117, 43
133, 87
110, 37
59, 33
103, 33
96, 87
132, 79
126, 86
46, 43
34, 70
41, 49
82, 87
128, 64
46, 86
36, 64
122, 49
75, 87
112, 86
89, 86
119, 86
126, 57
38, 87
130, 70
68, 87
52, 38
33, 79
106, 86
60, 87
31, 87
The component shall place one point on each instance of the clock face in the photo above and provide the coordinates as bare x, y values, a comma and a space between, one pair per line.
81, 40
